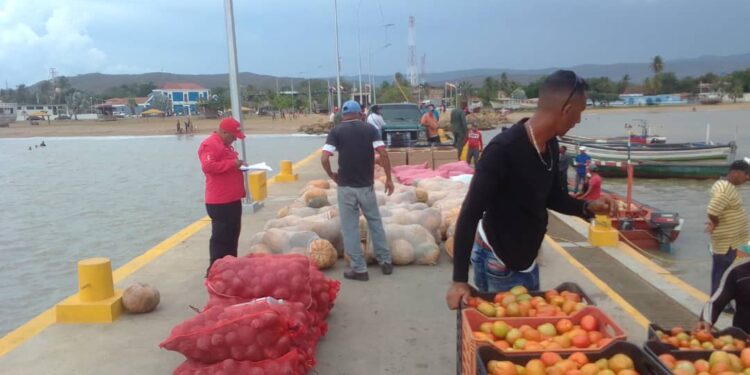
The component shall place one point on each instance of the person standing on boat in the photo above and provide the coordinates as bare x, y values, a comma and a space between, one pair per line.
581, 162
594, 188
727, 222
354, 141
503, 219
225, 188
562, 167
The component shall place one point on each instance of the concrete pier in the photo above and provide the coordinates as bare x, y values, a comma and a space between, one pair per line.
396, 324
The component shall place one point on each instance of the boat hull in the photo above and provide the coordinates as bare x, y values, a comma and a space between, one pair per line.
652, 152
688, 170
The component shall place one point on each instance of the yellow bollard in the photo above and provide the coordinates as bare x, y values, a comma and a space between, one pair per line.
601, 232
286, 174
95, 279
258, 187
96, 301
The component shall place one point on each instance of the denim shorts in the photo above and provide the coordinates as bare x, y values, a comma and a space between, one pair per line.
491, 276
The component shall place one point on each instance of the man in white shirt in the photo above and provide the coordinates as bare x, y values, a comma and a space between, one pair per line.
375, 119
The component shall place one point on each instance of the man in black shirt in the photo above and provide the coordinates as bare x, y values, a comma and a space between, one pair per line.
516, 181
355, 140
734, 285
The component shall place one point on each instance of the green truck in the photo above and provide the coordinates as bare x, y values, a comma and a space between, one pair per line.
403, 128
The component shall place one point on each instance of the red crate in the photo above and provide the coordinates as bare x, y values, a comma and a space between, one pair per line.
567, 286
644, 364
472, 319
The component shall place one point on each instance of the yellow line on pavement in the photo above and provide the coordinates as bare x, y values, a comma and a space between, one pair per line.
627, 307
42, 321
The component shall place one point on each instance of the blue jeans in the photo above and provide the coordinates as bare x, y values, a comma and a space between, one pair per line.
490, 276
350, 201
580, 180
721, 263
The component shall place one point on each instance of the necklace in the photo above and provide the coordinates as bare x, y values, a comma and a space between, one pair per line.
533, 141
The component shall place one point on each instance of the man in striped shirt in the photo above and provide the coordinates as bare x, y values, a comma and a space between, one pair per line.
727, 221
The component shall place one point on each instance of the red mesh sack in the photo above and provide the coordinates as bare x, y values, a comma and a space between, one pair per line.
236, 280
246, 332
292, 363
324, 292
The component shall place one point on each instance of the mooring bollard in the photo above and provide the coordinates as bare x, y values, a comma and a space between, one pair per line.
96, 301
286, 174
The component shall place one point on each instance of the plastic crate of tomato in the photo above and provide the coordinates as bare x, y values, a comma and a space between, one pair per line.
562, 289
698, 361
589, 330
730, 339
619, 356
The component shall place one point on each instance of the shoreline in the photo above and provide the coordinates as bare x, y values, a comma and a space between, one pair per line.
259, 125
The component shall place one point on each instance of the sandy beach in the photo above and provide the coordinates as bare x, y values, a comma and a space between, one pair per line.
257, 124
151, 126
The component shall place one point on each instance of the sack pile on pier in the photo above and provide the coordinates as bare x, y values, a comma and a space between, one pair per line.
265, 314
417, 218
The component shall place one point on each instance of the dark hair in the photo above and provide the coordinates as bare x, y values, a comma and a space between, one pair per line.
564, 148
740, 165
563, 82
375, 108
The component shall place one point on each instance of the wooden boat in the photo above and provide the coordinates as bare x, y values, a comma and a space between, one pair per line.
698, 170
645, 137
645, 226
652, 152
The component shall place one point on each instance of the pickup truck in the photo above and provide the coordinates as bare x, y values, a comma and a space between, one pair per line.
402, 124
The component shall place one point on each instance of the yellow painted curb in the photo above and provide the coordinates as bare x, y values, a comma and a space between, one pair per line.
39, 323
627, 307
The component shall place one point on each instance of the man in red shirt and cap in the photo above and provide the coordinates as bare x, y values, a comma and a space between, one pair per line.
225, 187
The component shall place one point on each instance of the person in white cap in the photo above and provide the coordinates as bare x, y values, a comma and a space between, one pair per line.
581, 163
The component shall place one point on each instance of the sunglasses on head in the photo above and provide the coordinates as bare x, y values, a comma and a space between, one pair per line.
580, 85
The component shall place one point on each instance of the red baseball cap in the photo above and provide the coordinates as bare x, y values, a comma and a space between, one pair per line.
232, 126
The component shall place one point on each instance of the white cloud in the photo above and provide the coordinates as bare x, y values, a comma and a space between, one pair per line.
37, 35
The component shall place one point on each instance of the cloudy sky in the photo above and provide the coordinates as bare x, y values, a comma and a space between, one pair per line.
297, 37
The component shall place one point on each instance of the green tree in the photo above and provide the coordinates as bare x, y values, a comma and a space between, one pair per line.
132, 104
161, 102
283, 102
624, 83
532, 89
489, 89
657, 65
75, 102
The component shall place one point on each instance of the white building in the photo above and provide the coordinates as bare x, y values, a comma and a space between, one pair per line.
52, 110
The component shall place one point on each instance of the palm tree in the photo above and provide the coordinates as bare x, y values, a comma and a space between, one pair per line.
657, 65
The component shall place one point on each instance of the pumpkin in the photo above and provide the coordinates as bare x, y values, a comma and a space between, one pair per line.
402, 252
320, 184
318, 202
449, 246
313, 192
322, 254
140, 298
363, 228
421, 194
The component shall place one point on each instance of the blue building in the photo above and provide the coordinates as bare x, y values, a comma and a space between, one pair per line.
643, 100
184, 96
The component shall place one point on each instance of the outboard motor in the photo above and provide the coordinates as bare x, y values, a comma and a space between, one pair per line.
665, 223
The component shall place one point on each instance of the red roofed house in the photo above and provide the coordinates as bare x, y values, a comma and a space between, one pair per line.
184, 96
120, 105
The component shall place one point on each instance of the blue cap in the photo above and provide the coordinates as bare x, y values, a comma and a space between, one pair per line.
351, 107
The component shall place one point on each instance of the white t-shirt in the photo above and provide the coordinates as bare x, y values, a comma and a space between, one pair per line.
376, 120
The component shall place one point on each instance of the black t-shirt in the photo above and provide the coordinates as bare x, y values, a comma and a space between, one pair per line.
511, 191
354, 140
735, 285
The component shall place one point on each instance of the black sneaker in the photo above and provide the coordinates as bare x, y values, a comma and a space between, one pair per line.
387, 268
359, 276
